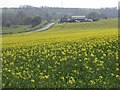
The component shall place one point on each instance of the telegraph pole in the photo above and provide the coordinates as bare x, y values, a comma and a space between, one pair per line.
62, 3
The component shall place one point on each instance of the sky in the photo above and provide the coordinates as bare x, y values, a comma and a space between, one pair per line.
61, 3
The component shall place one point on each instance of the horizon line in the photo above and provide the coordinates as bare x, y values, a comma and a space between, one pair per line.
20, 6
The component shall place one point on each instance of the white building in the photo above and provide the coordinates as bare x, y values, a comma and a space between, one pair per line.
78, 17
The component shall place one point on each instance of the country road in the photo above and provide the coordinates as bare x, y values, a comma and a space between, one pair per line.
45, 28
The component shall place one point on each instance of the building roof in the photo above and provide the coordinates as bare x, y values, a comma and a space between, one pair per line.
78, 17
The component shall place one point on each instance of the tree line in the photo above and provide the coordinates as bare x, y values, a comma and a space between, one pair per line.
29, 15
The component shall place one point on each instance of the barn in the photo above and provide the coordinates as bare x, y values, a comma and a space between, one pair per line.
75, 19
78, 18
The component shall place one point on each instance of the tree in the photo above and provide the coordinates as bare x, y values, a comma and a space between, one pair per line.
28, 21
65, 18
21, 17
93, 15
48, 17
36, 21
96, 15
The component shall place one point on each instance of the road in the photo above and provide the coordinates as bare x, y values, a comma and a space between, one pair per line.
44, 28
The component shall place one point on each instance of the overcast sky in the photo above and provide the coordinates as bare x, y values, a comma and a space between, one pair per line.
61, 3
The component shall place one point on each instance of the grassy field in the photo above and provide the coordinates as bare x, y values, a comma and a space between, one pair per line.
22, 28
17, 29
70, 55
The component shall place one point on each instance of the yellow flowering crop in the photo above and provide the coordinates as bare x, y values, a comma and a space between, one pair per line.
53, 59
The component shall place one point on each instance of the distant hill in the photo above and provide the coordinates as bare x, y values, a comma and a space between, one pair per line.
16, 16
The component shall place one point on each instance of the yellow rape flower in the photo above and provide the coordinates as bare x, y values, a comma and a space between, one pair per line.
33, 80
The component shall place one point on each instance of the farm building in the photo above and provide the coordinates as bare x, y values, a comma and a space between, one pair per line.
78, 17
75, 19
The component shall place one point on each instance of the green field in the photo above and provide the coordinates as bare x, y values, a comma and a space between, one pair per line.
22, 28
68, 55
17, 29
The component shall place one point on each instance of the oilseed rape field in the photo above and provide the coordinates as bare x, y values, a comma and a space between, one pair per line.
68, 55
